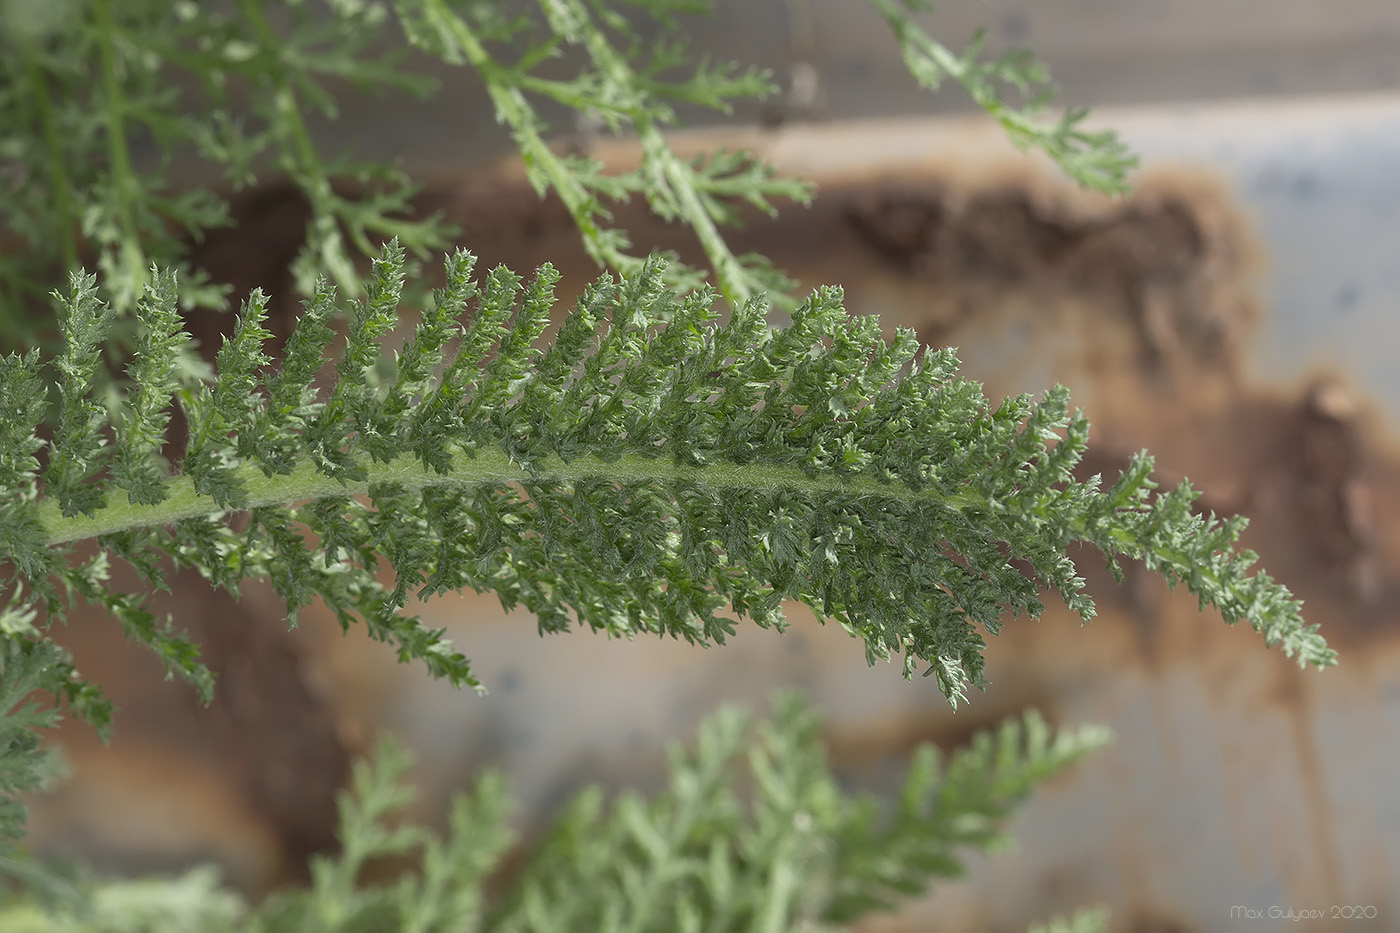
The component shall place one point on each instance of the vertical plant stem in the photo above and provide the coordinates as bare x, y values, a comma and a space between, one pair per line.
728, 272
300, 158
123, 179
62, 190
512, 108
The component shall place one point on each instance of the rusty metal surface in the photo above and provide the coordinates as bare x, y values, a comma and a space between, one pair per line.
1317, 180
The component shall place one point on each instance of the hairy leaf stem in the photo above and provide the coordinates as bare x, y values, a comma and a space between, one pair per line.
494, 467
305, 483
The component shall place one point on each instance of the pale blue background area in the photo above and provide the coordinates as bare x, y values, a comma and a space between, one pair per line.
1320, 179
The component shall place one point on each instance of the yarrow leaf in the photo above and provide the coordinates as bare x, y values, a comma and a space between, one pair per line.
646, 469
753, 831
1095, 159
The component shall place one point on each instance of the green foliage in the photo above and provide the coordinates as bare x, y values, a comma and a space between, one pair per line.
622, 85
801, 855
27, 666
194, 901
99, 98
753, 833
447, 894
635, 475
88, 87
1095, 159
1091, 920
